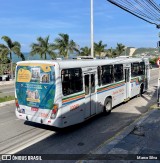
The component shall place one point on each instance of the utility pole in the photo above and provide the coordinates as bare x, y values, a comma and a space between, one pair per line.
158, 63
92, 33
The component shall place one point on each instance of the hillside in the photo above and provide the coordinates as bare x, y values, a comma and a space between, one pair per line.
151, 51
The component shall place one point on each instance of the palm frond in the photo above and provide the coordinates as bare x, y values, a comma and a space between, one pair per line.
16, 43
8, 41
42, 48
2, 46
16, 50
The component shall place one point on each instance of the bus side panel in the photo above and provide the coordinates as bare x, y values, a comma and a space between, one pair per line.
72, 106
73, 109
114, 91
119, 94
135, 86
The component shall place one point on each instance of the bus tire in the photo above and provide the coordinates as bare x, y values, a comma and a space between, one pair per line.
141, 91
107, 106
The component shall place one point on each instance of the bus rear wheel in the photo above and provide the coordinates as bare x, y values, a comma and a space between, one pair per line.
107, 106
141, 90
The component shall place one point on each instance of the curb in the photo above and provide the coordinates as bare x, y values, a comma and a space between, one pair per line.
110, 144
6, 103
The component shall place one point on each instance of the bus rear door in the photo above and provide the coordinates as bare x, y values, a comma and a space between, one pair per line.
90, 95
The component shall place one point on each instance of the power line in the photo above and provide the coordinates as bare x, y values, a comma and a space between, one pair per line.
146, 10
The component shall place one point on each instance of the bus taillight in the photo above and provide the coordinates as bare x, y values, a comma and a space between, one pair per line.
18, 108
16, 102
54, 111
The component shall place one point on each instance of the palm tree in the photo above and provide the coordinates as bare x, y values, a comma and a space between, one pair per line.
85, 51
10, 48
42, 48
64, 45
99, 48
111, 53
120, 48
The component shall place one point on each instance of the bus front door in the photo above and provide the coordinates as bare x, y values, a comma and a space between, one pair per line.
90, 95
127, 83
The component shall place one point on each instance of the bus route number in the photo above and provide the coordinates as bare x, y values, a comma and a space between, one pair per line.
73, 107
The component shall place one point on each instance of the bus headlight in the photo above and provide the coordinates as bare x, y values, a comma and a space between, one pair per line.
54, 111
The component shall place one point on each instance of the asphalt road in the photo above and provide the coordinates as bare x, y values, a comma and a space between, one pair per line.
30, 138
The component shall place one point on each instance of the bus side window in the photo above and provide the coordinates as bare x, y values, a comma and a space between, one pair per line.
141, 68
118, 72
71, 81
86, 82
78, 81
107, 74
92, 83
137, 69
134, 69
99, 75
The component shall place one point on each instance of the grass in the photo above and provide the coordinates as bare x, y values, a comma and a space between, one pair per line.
6, 98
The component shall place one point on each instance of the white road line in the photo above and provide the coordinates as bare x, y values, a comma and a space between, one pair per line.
18, 147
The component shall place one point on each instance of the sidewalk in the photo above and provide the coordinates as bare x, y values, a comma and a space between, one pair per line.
4, 83
140, 138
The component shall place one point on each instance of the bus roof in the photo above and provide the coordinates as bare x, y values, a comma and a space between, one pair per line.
84, 63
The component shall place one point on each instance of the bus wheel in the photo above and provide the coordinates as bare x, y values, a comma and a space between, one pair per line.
107, 106
141, 90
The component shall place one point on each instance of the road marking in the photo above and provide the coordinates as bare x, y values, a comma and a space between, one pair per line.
18, 147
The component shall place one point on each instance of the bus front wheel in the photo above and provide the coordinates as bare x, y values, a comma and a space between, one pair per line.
107, 106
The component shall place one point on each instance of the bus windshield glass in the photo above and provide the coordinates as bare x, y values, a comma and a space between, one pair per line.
35, 85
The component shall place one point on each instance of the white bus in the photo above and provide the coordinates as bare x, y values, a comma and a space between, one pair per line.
61, 93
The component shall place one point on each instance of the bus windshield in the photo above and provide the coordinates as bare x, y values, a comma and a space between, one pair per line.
35, 85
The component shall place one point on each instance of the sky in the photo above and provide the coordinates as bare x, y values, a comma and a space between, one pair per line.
25, 20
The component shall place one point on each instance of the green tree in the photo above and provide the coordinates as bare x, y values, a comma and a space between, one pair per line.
99, 48
120, 49
111, 53
64, 45
153, 60
10, 48
85, 51
42, 48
